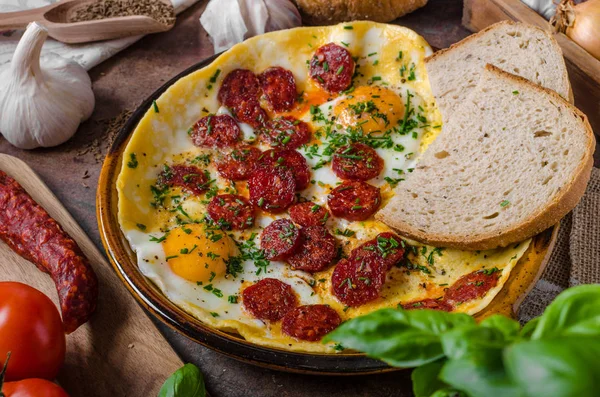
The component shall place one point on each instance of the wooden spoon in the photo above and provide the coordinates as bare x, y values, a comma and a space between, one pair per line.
55, 17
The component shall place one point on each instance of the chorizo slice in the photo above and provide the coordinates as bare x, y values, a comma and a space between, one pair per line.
356, 162
269, 299
433, 304
188, 177
472, 286
356, 281
310, 322
231, 212
212, 131
332, 67
354, 201
30, 231
239, 163
272, 189
286, 133
385, 247
279, 87
280, 239
316, 252
237, 86
309, 214
288, 159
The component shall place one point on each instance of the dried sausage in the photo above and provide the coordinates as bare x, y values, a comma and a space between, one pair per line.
472, 286
309, 214
354, 201
272, 189
188, 177
286, 132
249, 112
28, 229
231, 211
239, 164
280, 239
279, 87
356, 162
385, 247
433, 304
288, 159
332, 67
269, 299
356, 281
237, 86
215, 131
239, 92
310, 322
317, 251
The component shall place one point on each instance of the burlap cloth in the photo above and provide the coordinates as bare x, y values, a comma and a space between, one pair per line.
576, 256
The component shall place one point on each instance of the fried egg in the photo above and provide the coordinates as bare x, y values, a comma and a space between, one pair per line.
204, 269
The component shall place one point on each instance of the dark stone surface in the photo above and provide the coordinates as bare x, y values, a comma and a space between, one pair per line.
124, 81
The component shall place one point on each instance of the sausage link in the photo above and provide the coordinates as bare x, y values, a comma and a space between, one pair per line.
28, 229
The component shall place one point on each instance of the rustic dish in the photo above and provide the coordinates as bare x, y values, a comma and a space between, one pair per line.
124, 261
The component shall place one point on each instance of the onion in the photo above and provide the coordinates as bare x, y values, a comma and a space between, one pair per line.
581, 23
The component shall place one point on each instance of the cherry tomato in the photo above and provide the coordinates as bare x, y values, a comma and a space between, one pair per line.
33, 388
31, 329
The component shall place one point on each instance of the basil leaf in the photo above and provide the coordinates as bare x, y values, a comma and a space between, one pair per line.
480, 374
509, 327
425, 379
528, 328
464, 341
187, 381
562, 367
576, 311
401, 338
448, 392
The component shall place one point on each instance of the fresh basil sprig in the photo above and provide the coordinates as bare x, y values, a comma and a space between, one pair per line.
187, 381
557, 354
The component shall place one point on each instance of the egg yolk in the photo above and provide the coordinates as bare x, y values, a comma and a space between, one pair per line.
198, 254
373, 109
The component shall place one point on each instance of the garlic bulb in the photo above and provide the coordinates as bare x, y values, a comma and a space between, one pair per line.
42, 105
545, 8
231, 21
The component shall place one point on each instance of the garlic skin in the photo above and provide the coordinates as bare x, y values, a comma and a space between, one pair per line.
229, 22
545, 8
42, 105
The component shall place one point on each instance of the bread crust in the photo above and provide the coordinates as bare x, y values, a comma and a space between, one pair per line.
536, 223
438, 55
327, 12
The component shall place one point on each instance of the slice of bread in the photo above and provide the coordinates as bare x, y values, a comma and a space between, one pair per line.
511, 162
517, 48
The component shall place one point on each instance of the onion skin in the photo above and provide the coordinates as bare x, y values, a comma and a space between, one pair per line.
581, 23
586, 27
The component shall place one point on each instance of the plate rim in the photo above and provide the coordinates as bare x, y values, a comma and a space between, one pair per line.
180, 321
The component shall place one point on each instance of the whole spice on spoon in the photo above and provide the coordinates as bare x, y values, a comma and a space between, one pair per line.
155, 9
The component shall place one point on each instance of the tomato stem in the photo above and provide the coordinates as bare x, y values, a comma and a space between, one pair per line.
3, 373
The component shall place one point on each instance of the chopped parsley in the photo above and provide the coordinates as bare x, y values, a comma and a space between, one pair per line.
132, 163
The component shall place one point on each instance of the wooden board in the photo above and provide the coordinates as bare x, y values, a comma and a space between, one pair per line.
584, 69
119, 352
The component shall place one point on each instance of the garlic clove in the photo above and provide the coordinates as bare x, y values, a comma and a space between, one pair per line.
283, 14
42, 104
231, 21
224, 22
255, 15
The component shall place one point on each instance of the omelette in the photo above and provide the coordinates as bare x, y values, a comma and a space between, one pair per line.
248, 190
